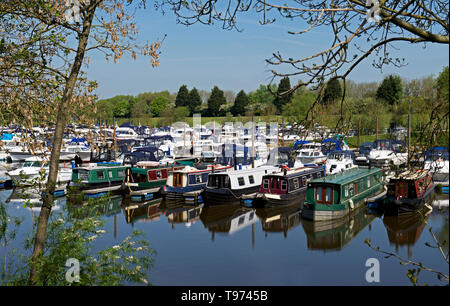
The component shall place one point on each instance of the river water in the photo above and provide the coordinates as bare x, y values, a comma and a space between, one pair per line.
235, 245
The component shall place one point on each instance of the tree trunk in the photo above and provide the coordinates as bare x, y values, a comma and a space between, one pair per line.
44, 215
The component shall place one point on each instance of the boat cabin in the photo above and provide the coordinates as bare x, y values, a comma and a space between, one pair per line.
290, 181
410, 184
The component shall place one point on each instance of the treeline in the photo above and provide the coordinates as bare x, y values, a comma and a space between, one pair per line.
387, 103
174, 107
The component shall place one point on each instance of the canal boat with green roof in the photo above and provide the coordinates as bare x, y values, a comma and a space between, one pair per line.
335, 196
99, 179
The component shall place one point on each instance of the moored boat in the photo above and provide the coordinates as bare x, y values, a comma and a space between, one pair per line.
287, 186
99, 179
335, 196
144, 180
188, 183
408, 192
233, 186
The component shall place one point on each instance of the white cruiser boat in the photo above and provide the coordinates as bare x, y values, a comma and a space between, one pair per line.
36, 170
386, 152
340, 161
311, 153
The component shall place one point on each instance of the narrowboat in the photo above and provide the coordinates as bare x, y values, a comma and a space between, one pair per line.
188, 183
235, 185
336, 195
143, 181
287, 186
186, 215
408, 192
99, 179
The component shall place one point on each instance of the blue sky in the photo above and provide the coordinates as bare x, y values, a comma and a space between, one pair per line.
203, 56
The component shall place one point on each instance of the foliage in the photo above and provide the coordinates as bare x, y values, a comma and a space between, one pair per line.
284, 95
240, 104
182, 98
73, 235
194, 101
390, 90
333, 92
215, 101
157, 105
179, 113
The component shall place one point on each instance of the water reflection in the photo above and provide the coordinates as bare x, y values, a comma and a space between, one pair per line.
335, 235
281, 218
406, 229
177, 212
142, 212
227, 219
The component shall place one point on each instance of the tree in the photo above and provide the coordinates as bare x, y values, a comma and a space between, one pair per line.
194, 101
215, 101
157, 105
140, 109
332, 92
390, 90
442, 85
284, 94
180, 113
182, 98
240, 104
43, 49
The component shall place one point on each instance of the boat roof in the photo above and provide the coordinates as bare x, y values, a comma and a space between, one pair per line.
410, 175
346, 176
294, 172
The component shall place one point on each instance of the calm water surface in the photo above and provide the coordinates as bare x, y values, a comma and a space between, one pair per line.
235, 245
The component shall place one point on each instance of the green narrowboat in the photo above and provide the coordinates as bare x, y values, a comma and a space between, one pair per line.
96, 181
335, 196
143, 181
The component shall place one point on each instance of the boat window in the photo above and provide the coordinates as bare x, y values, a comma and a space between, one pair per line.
241, 181
368, 182
283, 185
324, 195
110, 173
100, 175
251, 179
319, 194
158, 174
328, 194
296, 185
266, 184
346, 190
121, 173
250, 217
198, 178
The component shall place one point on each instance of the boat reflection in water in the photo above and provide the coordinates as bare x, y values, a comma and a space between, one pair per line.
227, 219
405, 230
177, 212
147, 211
334, 235
104, 206
280, 219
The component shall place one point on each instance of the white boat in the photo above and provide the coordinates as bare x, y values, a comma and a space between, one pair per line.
386, 152
35, 170
76, 147
235, 185
437, 162
311, 153
340, 161
126, 133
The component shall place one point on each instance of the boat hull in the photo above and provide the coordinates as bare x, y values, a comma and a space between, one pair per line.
401, 206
